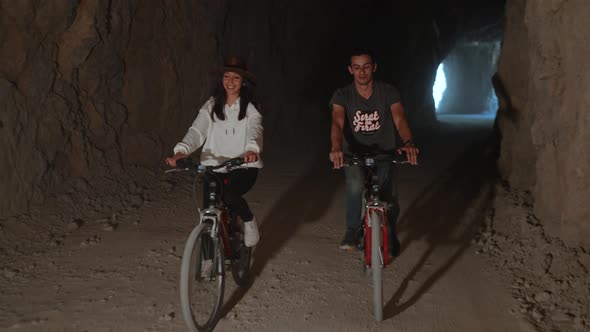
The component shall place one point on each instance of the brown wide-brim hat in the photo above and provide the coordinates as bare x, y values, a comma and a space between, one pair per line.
236, 65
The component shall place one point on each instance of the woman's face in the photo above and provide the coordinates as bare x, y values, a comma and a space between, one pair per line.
232, 83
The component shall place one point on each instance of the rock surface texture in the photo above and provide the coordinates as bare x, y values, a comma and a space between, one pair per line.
91, 89
544, 118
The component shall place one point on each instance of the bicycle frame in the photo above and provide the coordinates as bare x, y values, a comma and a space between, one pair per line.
216, 213
374, 206
375, 216
219, 215
220, 227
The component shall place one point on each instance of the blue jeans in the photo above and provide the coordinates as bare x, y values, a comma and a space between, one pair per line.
355, 184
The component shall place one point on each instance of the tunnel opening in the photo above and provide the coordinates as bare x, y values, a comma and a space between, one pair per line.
439, 87
463, 80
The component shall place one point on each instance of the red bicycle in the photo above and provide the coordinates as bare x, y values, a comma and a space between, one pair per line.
375, 237
217, 240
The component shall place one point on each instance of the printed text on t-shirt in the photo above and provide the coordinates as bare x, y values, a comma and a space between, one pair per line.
366, 122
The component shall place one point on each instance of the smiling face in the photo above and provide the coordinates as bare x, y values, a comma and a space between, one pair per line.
232, 83
362, 68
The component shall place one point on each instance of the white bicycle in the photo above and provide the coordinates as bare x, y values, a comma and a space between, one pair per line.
216, 241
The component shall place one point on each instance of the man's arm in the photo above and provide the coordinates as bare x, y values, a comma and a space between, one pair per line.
338, 115
401, 123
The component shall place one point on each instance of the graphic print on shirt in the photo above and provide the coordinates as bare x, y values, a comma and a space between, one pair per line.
366, 122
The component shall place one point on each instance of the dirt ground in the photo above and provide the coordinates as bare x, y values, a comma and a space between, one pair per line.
112, 263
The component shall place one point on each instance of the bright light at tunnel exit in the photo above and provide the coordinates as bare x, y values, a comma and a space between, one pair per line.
440, 84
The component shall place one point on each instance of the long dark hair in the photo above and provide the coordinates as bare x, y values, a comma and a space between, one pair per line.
220, 97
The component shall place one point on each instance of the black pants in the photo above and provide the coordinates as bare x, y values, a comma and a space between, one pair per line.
234, 185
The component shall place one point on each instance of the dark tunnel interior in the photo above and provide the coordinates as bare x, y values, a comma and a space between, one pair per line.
411, 39
95, 94
101, 80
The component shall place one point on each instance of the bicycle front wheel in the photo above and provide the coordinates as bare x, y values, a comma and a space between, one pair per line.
376, 268
202, 279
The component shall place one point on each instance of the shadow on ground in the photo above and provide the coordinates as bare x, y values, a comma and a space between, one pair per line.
447, 213
305, 202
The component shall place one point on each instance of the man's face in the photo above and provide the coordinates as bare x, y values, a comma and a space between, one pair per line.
362, 68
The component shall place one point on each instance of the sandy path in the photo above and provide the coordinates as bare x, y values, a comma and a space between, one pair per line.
127, 281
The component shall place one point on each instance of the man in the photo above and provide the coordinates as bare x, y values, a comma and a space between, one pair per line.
367, 115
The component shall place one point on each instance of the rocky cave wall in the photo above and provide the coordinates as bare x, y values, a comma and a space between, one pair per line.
543, 84
91, 89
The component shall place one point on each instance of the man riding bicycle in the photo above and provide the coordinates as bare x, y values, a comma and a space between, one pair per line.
367, 116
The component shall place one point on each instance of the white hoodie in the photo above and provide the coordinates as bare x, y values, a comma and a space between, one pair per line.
224, 139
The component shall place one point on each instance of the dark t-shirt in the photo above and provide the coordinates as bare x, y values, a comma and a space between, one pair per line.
369, 125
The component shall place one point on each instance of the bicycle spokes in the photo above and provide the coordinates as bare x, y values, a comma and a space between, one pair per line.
202, 279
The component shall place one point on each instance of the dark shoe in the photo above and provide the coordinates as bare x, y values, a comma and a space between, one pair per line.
350, 240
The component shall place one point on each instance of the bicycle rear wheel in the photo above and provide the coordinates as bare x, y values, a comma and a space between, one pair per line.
376, 268
240, 267
202, 279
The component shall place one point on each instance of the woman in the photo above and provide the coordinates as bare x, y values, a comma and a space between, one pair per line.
229, 126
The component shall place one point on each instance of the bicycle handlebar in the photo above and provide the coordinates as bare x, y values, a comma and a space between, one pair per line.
370, 160
187, 164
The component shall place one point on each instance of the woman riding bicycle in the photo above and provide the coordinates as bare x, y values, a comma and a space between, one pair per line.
229, 126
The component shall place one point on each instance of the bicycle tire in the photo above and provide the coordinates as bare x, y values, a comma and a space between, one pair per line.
240, 268
376, 268
193, 252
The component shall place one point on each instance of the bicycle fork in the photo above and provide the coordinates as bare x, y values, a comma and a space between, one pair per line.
213, 216
378, 212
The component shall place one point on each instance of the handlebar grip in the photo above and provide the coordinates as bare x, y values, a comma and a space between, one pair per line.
400, 158
234, 162
182, 163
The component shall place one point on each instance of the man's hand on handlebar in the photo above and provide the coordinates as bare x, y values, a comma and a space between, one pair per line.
337, 158
172, 160
411, 153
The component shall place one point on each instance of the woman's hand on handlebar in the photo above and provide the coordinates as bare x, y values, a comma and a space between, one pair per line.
172, 160
250, 157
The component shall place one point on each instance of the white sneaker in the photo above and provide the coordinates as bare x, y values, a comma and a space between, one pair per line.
251, 234
206, 267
